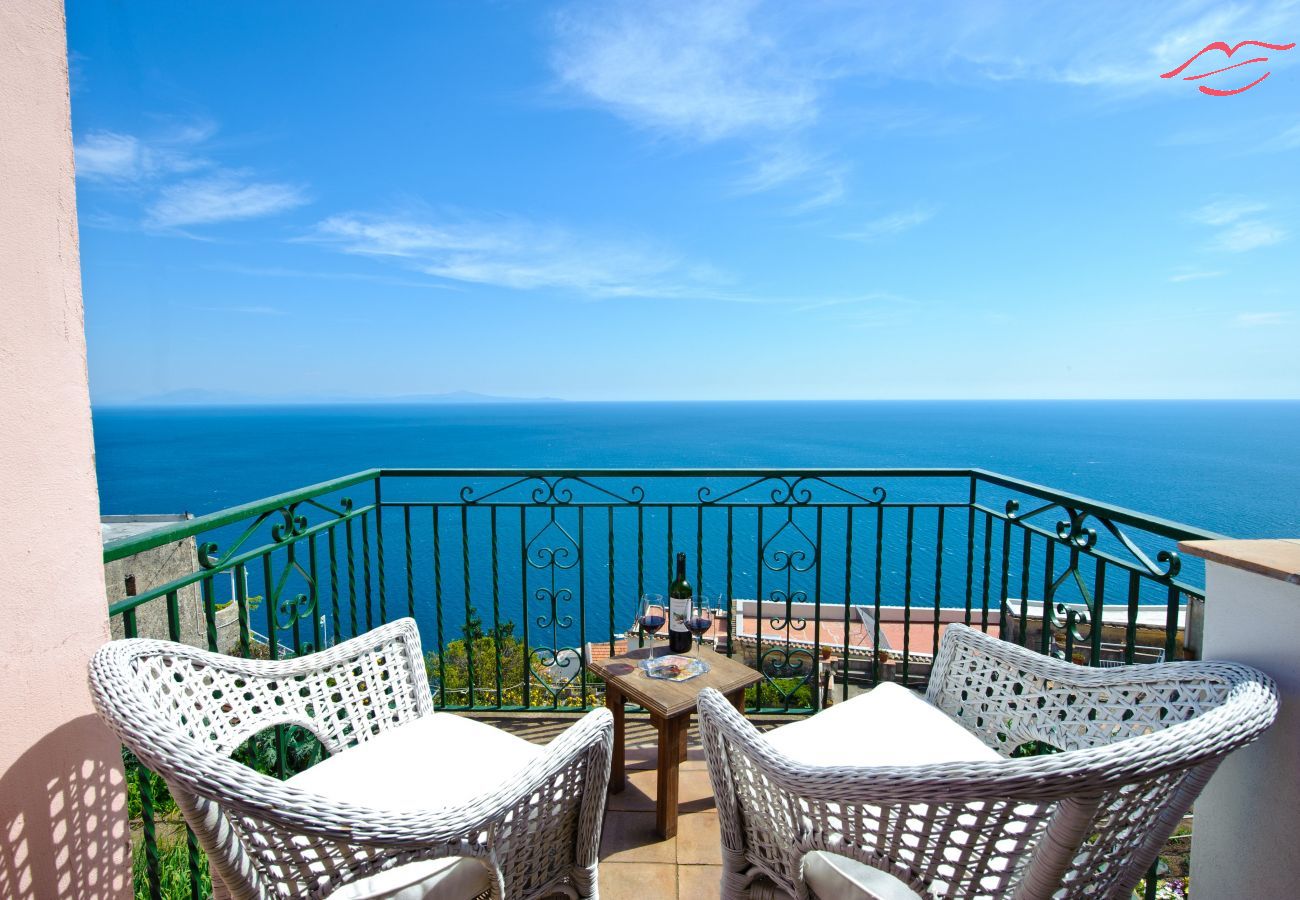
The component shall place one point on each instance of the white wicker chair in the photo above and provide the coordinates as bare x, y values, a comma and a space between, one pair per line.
1139, 744
530, 832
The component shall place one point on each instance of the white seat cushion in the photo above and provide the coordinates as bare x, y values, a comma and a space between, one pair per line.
835, 877
888, 726
436, 879
438, 760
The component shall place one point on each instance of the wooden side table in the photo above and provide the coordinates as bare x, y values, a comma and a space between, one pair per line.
670, 704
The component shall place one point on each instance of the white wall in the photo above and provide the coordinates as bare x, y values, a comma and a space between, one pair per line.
1246, 831
62, 800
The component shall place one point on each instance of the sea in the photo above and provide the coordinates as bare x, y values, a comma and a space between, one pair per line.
1231, 467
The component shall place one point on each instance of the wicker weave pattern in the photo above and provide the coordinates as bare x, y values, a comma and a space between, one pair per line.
371, 690
182, 711
1141, 742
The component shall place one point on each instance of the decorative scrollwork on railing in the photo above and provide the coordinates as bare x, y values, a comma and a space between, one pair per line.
782, 665
789, 551
1059, 615
552, 491
1074, 532
296, 606
790, 490
554, 551
787, 559
292, 525
1173, 564
553, 599
560, 553
788, 621
557, 670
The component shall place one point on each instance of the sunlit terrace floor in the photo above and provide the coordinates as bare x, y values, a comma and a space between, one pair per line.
635, 863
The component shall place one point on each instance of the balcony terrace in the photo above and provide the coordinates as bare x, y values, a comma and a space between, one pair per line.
827, 582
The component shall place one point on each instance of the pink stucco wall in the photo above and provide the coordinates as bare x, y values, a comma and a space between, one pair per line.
63, 826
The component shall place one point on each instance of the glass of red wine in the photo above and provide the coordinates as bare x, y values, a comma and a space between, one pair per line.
699, 619
652, 613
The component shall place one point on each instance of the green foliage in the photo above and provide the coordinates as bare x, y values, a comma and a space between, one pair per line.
250, 603
1169, 889
452, 670
136, 775
452, 676
173, 870
301, 751
780, 693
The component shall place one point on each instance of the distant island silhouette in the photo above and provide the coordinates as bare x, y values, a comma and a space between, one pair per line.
203, 397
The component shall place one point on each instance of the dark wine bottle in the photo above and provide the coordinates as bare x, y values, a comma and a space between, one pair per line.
679, 608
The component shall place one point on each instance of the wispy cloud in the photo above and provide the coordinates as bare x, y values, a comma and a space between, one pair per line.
874, 298
892, 224
818, 180
1287, 139
244, 310
721, 69
175, 182
1106, 46
873, 309
112, 156
766, 73
1225, 212
515, 253
1194, 276
1239, 225
223, 197
1251, 235
108, 155
1260, 319
777, 165
703, 70
329, 275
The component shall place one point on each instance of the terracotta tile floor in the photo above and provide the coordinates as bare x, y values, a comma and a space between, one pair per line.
636, 863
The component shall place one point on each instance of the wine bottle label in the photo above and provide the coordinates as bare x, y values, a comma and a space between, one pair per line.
678, 608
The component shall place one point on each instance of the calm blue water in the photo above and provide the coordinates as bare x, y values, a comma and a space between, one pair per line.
1232, 467
1227, 467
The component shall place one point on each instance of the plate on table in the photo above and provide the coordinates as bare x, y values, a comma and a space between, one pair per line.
675, 667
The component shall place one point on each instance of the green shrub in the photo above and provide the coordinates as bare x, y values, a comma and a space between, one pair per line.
450, 673
173, 870
780, 693
302, 750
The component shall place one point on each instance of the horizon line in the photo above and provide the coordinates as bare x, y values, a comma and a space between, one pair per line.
558, 401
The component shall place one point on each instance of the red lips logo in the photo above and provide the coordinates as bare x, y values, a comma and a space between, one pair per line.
1227, 51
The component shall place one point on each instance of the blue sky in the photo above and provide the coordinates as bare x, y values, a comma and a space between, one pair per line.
734, 200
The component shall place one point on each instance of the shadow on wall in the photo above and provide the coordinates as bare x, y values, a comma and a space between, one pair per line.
63, 814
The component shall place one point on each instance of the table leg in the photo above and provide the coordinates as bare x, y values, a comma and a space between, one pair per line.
672, 734
737, 699
614, 703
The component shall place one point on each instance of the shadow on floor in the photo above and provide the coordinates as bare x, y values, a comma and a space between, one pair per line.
635, 863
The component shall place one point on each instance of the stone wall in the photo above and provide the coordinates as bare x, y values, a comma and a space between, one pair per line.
156, 567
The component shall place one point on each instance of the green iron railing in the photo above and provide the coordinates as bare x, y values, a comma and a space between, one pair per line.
514, 576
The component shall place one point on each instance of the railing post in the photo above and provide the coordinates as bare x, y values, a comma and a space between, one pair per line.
1247, 819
